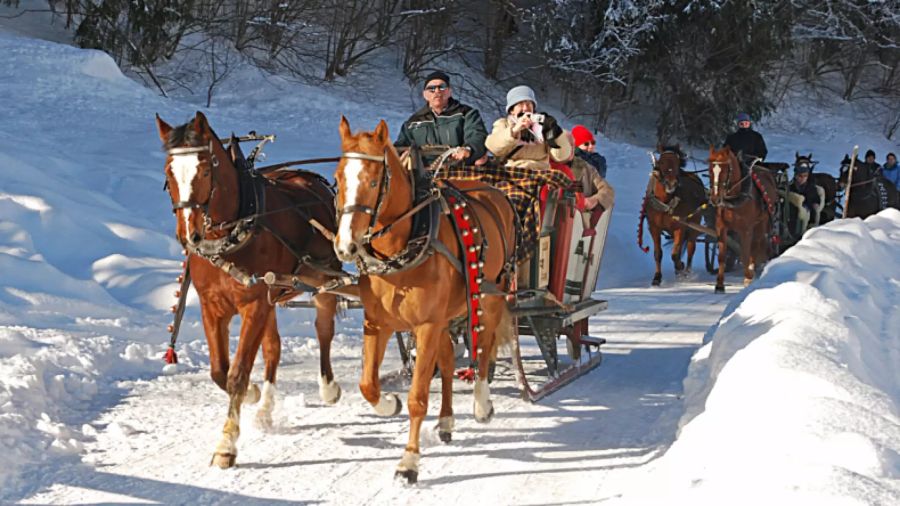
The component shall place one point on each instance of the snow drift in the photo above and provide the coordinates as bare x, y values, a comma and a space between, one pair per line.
794, 399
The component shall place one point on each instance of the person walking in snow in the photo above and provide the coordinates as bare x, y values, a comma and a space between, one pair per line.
444, 121
586, 149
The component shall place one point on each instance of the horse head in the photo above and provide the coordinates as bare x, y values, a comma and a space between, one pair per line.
364, 179
861, 172
724, 173
804, 161
669, 166
193, 177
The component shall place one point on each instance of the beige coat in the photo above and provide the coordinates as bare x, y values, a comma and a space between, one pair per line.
596, 189
501, 142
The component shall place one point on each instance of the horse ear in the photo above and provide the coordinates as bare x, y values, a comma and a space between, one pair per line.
381, 132
659, 148
163, 128
711, 150
344, 128
201, 125
809, 157
796, 154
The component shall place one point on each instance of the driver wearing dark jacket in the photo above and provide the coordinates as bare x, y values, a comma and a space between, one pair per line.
444, 121
746, 140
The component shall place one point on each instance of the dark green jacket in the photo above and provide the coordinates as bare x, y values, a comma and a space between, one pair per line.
458, 125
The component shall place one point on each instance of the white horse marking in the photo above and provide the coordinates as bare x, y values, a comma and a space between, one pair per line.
716, 171
482, 400
353, 169
329, 391
264, 414
184, 169
409, 462
387, 405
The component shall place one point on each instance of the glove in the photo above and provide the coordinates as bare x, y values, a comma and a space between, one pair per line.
551, 130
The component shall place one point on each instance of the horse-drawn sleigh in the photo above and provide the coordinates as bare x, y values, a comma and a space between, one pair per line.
437, 258
745, 215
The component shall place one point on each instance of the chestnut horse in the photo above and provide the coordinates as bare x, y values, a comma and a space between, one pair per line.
375, 200
204, 182
740, 206
672, 195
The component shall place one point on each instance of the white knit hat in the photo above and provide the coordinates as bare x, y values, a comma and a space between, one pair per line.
519, 94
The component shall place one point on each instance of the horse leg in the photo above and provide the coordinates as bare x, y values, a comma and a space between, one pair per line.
447, 363
254, 317
722, 232
428, 340
271, 347
326, 308
748, 242
375, 340
676, 250
215, 325
691, 247
497, 330
657, 255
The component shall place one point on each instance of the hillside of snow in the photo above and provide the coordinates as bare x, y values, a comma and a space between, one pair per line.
88, 261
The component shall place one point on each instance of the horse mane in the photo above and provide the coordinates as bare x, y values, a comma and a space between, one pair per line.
183, 135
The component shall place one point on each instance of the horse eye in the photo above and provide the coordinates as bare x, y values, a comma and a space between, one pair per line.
373, 184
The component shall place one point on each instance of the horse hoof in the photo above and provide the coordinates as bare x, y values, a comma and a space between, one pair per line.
384, 408
223, 460
485, 418
747, 281
446, 437
656, 281
329, 392
720, 289
408, 475
252, 396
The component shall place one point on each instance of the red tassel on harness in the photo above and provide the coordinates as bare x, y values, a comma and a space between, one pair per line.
467, 374
171, 357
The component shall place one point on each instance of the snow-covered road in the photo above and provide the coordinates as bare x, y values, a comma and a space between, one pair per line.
579, 445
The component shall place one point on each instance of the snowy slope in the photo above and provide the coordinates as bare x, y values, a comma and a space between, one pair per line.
87, 263
794, 400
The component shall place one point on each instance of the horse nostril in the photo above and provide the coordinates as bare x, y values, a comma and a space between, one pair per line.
352, 249
195, 238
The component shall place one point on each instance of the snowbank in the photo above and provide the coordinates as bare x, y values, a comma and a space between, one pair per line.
795, 398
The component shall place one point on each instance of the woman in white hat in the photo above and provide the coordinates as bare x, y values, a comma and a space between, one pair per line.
526, 139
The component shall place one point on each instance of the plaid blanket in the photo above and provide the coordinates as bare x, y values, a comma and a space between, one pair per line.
522, 186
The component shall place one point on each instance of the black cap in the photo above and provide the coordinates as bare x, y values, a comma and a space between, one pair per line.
437, 74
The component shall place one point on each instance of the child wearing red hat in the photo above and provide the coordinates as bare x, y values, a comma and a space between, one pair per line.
586, 149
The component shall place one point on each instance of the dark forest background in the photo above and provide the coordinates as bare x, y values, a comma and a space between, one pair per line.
693, 62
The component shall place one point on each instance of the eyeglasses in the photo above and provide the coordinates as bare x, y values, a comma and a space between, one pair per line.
435, 88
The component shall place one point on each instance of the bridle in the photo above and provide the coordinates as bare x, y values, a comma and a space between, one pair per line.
213, 164
662, 178
716, 169
384, 185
